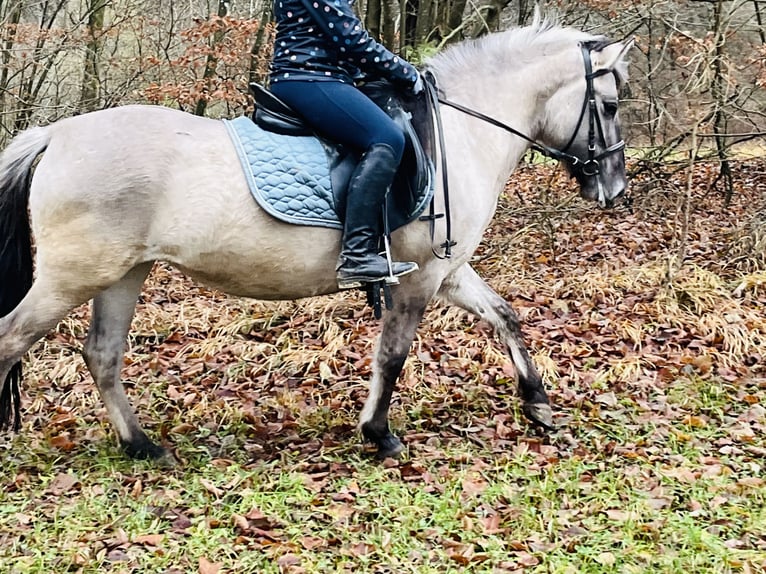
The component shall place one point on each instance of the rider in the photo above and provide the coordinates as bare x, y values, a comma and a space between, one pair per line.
319, 49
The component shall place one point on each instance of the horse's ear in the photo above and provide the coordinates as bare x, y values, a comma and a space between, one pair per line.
612, 55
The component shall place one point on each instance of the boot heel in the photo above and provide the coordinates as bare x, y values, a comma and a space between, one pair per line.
344, 284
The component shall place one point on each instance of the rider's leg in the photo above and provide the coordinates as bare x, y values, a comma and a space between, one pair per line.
359, 261
342, 113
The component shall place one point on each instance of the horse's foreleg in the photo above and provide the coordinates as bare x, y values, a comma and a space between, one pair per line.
466, 289
104, 348
399, 327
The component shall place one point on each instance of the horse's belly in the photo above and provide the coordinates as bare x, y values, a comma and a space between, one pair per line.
209, 225
262, 258
262, 278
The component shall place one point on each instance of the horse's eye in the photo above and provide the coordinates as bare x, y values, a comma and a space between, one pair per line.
610, 108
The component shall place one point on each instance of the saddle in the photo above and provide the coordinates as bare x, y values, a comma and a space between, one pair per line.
415, 176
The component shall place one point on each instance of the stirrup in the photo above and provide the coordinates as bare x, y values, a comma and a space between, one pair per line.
359, 281
391, 278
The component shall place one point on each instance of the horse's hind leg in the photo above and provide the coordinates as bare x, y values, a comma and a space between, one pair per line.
399, 327
113, 311
43, 306
466, 289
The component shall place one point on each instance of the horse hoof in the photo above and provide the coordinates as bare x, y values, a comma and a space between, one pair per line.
389, 447
540, 414
147, 450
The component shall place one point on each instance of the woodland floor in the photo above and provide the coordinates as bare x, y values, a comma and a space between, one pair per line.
658, 382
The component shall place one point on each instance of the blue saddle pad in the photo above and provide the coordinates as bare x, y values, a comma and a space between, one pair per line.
288, 176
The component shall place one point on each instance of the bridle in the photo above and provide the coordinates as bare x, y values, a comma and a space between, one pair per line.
590, 166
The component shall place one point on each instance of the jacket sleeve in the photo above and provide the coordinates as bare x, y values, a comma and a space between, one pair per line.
346, 32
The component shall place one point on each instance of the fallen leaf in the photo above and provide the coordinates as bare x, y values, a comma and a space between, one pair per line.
62, 483
207, 567
491, 524
527, 559
210, 487
606, 559
474, 486
62, 442
609, 399
240, 522
149, 539
361, 549
288, 560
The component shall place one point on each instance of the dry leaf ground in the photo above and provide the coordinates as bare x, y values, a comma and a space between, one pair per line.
658, 382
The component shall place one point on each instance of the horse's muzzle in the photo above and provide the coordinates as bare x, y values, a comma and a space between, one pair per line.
610, 202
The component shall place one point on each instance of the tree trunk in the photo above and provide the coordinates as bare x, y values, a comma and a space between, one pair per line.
258, 68
525, 12
211, 62
373, 18
390, 13
8, 38
90, 95
491, 20
759, 20
425, 22
720, 98
453, 19
409, 21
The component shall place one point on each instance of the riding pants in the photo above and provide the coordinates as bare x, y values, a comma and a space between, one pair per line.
341, 113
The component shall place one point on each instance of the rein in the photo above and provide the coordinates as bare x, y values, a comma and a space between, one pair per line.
589, 167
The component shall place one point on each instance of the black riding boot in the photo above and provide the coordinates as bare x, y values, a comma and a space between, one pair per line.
359, 260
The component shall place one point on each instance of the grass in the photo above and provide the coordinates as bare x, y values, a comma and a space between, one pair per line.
629, 497
657, 466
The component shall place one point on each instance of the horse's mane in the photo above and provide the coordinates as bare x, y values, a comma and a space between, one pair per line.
512, 48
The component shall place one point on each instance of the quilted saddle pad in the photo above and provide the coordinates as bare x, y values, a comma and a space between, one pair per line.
288, 176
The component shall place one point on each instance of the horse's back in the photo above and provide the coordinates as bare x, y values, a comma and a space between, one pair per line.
140, 183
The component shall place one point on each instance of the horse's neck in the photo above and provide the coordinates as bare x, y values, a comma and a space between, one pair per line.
482, 156
515, 98
495, 151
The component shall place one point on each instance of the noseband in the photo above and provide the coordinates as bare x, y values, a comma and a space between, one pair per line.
590, 166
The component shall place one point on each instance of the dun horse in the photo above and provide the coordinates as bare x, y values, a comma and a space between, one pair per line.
116, 190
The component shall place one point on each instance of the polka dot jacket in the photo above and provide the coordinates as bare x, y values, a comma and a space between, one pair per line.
324, 40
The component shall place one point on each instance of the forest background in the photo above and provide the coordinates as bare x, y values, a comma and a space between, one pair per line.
648, 323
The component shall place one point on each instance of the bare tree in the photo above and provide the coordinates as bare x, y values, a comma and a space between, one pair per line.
212, 61
91, 85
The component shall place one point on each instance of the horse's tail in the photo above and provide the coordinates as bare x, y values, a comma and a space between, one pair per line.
16, 263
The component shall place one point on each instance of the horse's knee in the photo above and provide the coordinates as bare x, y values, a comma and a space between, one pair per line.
102, 365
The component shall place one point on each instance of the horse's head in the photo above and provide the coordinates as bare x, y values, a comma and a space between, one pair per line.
585, 124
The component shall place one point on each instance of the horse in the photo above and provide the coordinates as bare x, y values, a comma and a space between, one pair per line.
117, 189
